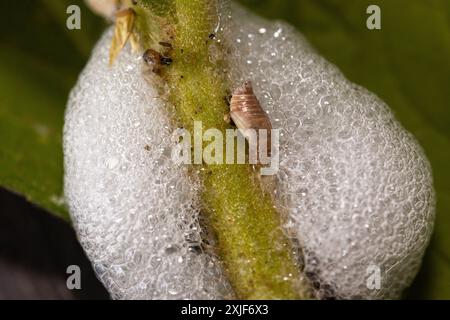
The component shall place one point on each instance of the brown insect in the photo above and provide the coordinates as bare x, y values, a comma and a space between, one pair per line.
246, 113
156, 60
165, 44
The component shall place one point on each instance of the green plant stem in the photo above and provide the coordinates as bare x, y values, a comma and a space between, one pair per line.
257, 256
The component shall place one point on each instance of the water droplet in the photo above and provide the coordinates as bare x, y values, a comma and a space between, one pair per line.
303, 192
278, 33
173, 291
275, 92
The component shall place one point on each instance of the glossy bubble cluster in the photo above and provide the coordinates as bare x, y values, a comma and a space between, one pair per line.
355, 186
136, 213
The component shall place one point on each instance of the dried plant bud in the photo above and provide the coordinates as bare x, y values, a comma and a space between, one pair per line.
122, 32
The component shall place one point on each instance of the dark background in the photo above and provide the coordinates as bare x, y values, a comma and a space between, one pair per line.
35, 250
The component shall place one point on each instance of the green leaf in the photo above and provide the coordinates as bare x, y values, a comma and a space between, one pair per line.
39, 63
406, 63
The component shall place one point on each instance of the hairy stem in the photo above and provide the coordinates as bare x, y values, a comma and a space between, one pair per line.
257, 256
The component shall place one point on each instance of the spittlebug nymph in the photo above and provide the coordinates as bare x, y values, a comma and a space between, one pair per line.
246, 113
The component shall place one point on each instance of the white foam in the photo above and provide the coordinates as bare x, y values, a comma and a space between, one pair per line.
357, 187
135, 212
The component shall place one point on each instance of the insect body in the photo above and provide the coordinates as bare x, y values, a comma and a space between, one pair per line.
248, 116
156, 60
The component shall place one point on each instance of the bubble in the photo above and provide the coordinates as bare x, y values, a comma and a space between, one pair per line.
277, 33
112, 162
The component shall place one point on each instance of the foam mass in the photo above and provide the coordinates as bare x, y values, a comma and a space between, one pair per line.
356, 187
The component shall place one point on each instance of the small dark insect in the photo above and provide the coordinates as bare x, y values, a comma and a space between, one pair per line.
147, 148
166, 60
156, 60
165, 44
212, 36
246, 113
